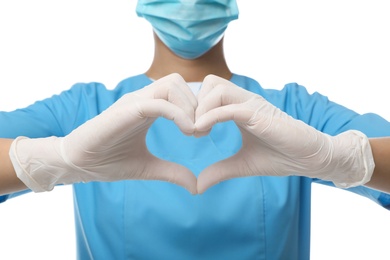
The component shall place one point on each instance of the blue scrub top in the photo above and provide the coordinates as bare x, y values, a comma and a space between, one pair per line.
243, 218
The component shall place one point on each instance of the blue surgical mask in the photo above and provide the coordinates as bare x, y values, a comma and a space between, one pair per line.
189, 28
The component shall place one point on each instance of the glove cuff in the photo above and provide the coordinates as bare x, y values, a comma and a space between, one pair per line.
38, 163
356, 161
21, 172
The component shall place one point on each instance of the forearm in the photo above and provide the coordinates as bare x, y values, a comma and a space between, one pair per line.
9, 182
380, 179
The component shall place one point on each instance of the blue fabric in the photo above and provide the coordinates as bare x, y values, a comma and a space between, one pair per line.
247, 218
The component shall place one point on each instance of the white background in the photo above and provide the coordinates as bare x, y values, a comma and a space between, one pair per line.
338, 48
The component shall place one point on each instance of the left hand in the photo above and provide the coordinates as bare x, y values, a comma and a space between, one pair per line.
274, 143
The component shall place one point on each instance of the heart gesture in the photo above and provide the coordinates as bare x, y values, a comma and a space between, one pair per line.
111, 146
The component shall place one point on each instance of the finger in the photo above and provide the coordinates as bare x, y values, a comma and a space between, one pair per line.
210, 83
158, 107
173, 173
174, 89
236, 112
219, 92
201, 133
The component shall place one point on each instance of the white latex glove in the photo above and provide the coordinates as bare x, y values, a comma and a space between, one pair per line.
274, 143
111, 146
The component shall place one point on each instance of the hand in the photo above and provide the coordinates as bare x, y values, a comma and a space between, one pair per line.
274, 143
111, 146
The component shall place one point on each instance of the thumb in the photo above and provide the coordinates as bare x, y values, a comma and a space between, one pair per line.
174, 173
218, 172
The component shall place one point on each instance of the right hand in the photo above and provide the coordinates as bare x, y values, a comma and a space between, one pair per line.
111, 146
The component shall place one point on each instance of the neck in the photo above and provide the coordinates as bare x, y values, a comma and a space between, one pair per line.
166, 62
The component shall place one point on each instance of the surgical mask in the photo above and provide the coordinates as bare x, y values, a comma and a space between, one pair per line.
189, 28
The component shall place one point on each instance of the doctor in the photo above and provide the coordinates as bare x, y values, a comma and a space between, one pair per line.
107, 143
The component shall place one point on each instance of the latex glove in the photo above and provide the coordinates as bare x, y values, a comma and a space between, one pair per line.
274, 143
111, 146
